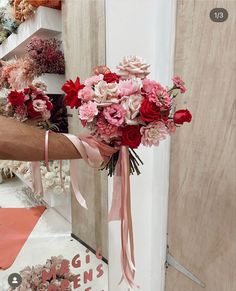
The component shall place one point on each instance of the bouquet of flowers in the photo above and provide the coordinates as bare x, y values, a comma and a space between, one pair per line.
126, 108
29, 103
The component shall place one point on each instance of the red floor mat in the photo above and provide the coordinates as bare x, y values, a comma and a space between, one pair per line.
16, 224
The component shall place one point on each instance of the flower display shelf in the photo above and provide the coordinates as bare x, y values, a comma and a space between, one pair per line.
61, 203
45, 23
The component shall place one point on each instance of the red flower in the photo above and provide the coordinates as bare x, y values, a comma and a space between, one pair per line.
16, 98
49, 105
71, 89
182, 116
31, 112
111, 78
149, 111
131, 136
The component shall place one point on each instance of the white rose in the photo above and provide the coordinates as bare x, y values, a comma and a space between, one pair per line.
132, 105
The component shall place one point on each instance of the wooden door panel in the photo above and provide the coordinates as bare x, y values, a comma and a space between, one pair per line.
202, 202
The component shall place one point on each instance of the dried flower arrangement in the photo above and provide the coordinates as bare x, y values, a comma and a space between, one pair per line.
46, 56
26, 8
42, 56
8, 24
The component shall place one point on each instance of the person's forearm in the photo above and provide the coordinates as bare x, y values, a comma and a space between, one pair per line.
22, 142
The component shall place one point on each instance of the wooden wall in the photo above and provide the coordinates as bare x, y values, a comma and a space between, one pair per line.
84, 44
202, 205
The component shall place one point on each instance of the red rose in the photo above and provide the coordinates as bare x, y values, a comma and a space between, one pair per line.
182, 116
16, 98
149, 111
131, 136
71, 89
31, 112
111, 78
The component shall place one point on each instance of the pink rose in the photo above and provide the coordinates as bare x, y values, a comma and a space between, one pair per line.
86, 94
179, 83
153, 133
105, 91
114, 114
39, 105
133, 66
93, 80
87, 111
129, 87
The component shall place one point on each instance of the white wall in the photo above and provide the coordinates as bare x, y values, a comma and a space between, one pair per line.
144, 28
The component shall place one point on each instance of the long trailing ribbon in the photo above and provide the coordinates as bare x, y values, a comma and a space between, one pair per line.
121, 210
95, 153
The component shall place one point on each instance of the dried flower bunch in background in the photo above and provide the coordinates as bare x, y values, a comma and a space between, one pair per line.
8, 24
46, 56
26, 8
32, 276
42, 56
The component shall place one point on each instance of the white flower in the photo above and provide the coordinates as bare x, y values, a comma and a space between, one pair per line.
132, 105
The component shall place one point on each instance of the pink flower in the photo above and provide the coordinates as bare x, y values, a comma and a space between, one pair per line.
133, 66
179, 83
107, 130
39, 105
87, 111
153, 133
106, 91
93, 80
114, 114
86, 94
156, 93
129, 87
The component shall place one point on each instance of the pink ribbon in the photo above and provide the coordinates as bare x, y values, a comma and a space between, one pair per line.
121, 210
37, 184
95, 153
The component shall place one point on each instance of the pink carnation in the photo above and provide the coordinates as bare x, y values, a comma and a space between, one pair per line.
107, 130
86, 94
93, 80
87, 111
179, 83
156, 93
153, 133
114, 114
128, 87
